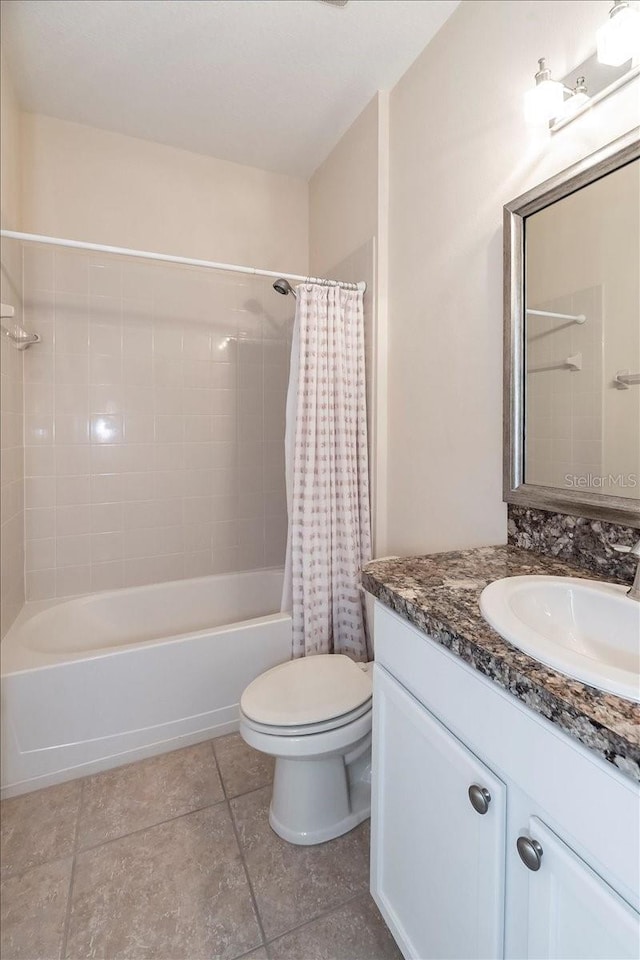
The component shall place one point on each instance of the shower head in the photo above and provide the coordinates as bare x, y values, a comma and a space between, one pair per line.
284, 287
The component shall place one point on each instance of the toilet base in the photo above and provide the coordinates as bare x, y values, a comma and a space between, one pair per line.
320, 836
317, 800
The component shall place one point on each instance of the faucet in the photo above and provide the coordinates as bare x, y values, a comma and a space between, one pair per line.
634, 590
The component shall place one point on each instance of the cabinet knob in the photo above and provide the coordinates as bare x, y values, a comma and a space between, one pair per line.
480, 798
530, 852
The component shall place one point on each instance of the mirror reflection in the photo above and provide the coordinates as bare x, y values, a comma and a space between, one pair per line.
582, 339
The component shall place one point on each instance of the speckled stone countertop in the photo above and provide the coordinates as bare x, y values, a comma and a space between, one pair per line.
439, 594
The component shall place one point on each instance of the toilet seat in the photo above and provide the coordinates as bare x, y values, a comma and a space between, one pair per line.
308, 695
308, 729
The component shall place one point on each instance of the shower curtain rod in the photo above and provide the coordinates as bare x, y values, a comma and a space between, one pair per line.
168, 258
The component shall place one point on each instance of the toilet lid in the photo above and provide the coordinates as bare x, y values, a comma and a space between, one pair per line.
307, 690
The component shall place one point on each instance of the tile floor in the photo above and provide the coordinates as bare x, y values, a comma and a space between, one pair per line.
172, 858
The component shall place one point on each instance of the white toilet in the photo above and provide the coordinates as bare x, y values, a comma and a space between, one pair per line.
314, 716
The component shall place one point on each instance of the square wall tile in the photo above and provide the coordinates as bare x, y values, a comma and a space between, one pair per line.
106, 547
73, 520
40, 523
73, 551
71, 399
107, 428
40, 491
40, 584
105, 338
105, 278
71, 369
40, 554
137, 331
38, 430
106, 517
71, 272
71, 581
105, 369
107, 399
107, 576
71, 429
73, 490
39, 461
38, 268
72, 328
139, 428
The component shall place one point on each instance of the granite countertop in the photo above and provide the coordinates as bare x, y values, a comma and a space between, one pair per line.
439, 594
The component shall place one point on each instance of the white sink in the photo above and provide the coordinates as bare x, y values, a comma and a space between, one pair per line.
586, 629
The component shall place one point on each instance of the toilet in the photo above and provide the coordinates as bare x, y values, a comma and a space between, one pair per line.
314, 716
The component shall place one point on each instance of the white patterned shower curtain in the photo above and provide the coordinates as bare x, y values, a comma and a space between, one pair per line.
327, 474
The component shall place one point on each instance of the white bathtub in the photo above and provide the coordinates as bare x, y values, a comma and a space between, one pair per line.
101, 680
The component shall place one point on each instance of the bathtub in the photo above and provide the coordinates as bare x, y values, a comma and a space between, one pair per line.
97, 681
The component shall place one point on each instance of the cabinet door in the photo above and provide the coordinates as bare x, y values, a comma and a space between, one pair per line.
573, 913
437, 864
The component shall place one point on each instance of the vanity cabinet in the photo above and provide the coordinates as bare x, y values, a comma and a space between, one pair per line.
571, 911
493, 833
438, 865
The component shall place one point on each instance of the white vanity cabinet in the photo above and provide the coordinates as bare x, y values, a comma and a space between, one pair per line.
468, 784
438, 865
572, 912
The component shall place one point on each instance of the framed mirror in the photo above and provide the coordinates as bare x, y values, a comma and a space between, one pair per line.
572, 339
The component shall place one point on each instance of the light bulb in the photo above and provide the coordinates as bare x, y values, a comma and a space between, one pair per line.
618, 39
545, 101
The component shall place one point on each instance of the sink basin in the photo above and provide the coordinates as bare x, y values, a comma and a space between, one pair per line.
586, 629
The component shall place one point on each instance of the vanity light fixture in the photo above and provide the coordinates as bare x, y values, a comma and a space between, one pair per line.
559, 102
551, 99
616, 62
544, 102
619, 38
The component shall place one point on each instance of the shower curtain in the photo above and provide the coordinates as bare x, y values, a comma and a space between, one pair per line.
327, 474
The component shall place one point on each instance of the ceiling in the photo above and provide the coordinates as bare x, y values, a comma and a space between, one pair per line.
270, 83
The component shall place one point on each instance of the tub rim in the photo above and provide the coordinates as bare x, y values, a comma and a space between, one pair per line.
17, 657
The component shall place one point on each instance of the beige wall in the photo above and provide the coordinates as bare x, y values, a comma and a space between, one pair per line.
343, 195
10, 160
460, 149
360, 265
89, 184
347, 239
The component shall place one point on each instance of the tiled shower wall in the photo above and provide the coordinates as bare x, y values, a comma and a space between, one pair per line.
154, 422
11, 449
